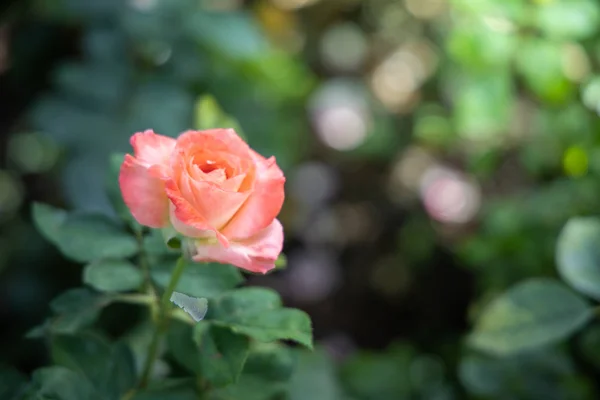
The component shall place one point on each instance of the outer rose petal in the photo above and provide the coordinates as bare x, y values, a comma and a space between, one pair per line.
256, 254
144, 194
152, 149
264, 202
140, 178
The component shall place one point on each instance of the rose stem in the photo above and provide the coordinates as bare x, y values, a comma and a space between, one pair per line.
161, 324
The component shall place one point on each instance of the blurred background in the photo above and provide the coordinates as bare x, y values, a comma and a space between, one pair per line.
433, 150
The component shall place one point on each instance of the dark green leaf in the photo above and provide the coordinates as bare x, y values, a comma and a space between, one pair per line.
83, 237
529, 315
578, 255
379, 375
250, 387
271, 362
169, 389
233, 34
110, 368
314, 378
154, 246
532, 375
59, 383
12, 383
222, 353
112, 276
149, 109
48, 220
198, 280
267, 369
89, 237
257, 312
181, 343
172, 238
74, 309
589, 345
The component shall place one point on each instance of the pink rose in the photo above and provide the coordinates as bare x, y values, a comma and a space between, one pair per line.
211, 187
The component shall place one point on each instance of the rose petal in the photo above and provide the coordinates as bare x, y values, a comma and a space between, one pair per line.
144, 194
188, 230
256, 254
264, 203
140, 178
224, 140
199, 205
216, 205
152, 149
184, 217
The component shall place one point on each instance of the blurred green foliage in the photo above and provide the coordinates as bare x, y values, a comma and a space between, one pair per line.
506, 91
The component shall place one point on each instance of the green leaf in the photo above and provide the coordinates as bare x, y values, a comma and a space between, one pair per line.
83, 237
250, 387
195, 307
89, 237
110, 368
483, 107
541, 64
578, 255
569, 20
531, 314
379, 375
180, 339
589, 345
171, 389
267, 369
172, 238
281, 262
272, 362
222, 353
214, 353
60, 383
112, 276
478, 46
12, 383
155, 246
74, 309
209, 115
314, 378
540, 374
257, 312
198, 280
234, 35
48, 220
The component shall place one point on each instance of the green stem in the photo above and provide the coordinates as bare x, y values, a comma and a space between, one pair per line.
143, 262
161, 324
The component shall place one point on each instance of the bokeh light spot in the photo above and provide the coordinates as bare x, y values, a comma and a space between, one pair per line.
341, 115
448, 196
575, 161
31, 153
11, 194
344, 47
293, 4
425, 9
